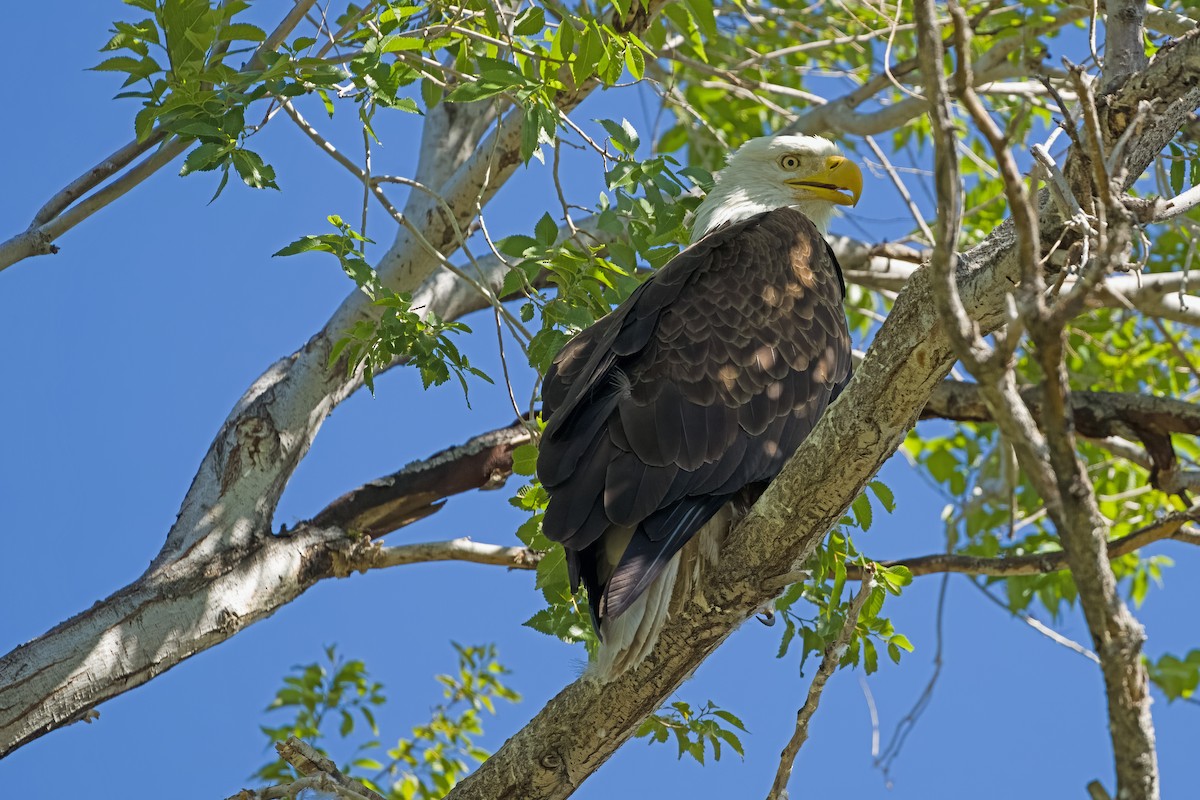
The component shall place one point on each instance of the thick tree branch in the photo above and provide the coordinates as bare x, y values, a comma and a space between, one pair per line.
420, 489
1124, 32
220, 568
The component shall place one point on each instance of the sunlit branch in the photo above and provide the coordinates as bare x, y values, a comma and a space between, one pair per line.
1172, 526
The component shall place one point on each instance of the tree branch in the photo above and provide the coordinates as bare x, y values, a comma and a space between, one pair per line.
1124, 33
220, 568
420, 489
320, 774
1169, 527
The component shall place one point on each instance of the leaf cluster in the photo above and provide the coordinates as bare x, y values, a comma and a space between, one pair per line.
695, 730
824, 593
400, 332
423, 766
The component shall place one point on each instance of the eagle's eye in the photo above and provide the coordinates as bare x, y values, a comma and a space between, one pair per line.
790, 162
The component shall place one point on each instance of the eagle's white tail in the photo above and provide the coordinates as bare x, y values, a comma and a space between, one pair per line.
627, 640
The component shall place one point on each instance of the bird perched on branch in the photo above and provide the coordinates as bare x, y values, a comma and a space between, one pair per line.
694, 392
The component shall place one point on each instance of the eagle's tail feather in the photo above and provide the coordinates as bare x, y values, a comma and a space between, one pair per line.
627, 639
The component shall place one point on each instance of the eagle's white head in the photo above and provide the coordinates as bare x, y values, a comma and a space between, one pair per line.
808, 173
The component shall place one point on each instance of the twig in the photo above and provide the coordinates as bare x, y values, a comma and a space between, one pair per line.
1040, 627
320, 774
1170, 526
829, 662
901, 188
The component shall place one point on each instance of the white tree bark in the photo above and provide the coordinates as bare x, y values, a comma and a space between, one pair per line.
221, 568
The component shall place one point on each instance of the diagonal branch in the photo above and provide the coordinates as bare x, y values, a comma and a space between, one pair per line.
220, 568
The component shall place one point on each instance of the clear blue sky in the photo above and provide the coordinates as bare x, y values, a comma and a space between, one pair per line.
122, 355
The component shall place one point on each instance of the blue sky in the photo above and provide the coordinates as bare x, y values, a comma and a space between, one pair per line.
123, 354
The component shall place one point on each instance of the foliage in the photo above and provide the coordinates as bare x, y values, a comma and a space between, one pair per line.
824, 591
426, 765
563, 616
400, 332
1177, 677
695, 729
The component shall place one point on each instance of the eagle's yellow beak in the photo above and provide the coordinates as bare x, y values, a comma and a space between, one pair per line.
840, 182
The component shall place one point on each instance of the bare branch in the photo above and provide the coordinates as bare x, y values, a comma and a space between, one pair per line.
1039, 626
1124, 34
1169, 527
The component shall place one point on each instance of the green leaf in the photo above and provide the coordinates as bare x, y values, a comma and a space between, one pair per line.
703, 13
254, 172
587, 60
525, 459
197, 128
530, 133
143, 122
545, 347
118, 64
531, 21
732, 740
205, 157
635, 62
732, 719
624, 136
546, 230
397, 42
241, 32
1177, 678
861, 508
884, 494
305, 244
870, 657
1178, 170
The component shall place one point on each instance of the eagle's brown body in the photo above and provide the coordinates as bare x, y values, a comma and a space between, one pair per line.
696, 388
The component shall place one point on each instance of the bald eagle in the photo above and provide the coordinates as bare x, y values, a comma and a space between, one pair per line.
691, 395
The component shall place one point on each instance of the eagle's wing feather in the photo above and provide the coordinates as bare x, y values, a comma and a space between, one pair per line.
702, 383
